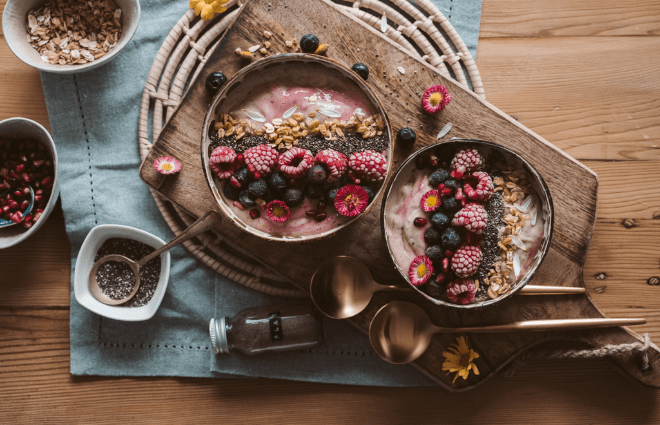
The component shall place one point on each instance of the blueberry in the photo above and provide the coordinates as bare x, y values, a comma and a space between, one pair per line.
258, 188
230, 191
435, 253
439, 176
432, 236
314, 191
242, 176
361, 69
406, 136
450, 205
309, 43
271, 194
439, 220
433, 289
317, 174
370, 193
330, 194
246, 199
452, 183
450, 239
293, 197
214, 81
278, 181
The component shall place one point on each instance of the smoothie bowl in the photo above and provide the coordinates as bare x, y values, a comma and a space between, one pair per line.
467, 222
295, 148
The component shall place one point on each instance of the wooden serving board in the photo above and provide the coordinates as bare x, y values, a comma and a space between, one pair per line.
573, 187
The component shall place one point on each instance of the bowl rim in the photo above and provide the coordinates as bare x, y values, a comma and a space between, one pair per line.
237, 77
94, 239
545, 247
66, 69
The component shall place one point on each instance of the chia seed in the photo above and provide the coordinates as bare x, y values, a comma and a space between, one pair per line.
490, 237
116, 279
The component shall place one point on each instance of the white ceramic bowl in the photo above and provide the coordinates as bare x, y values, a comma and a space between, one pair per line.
95, 238
14, 18
23, 128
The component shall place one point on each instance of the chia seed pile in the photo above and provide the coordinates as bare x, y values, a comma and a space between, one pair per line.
489, 250
116, 279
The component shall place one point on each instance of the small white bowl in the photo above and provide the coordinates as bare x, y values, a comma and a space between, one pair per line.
92, 243
14, 18
23, 128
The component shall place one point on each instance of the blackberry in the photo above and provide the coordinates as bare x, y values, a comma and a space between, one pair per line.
439, 176
432, 236
450, 205
439, 220
242, 176
452, 183
435, 253
214, 81
451, 240
406, 136
313, 191
370, 193
330, 194
362, 70
293, 197
309, 43
230, 191
277, 181
258, 188
317, 174
246, 199
433, 289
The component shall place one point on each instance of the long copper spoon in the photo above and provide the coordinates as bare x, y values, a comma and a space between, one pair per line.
342, 287
204, 223
401, 331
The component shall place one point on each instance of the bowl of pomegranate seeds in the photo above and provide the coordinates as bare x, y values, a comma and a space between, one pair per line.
295, 147
28, 179
467, 222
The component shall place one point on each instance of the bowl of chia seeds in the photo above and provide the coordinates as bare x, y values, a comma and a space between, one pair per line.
116, 279
467, 222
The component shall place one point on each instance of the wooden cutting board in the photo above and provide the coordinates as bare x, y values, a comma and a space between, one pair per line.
573, 187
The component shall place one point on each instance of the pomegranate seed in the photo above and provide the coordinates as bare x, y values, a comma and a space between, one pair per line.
37, 216
353, 177
28, 218
19, 168
47, 182
459, 194
6, 184
311, 213
445, 265
458, 173
5, 209
26, 191
16, 217
254, 213
433, 160
440, 278
24, 205
23, 158
446, 191
321, 216
463, 202
38, 192
38, 163
37, 198
239, 205
420, 221
239, 159
234, 182
257, 175
441, 186
13, 205
18, 193
320, 207
40, 210
449, 253
27, 224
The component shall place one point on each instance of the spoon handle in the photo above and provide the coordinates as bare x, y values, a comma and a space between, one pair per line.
550, 290
204, 223
394, 288
547, 325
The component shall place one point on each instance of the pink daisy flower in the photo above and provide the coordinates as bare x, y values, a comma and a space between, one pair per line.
420, 270
435, 99
167, 165
351, 200
278, 211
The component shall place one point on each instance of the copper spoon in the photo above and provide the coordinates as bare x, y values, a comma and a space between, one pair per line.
204, 223
342, 287
401, 331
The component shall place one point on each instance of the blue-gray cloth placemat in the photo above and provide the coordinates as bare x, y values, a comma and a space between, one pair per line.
94, 120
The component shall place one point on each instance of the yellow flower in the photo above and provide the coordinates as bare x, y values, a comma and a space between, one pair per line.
207, 8
459, 359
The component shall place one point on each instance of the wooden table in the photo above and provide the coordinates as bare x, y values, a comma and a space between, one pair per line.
585, 75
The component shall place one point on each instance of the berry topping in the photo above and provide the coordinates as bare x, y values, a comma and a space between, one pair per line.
362, 70
309, 43
370, 166
295, 162
214, 81
450, 239
466, 259
320, 217
246, 199
278, 211
439, 220
432, 236
240, 178
406, 136
473, 217
260, 160
435, 252
222, 162
313, 191
277, 181
430, 201
461, 291
293, 197
438, 176
254, 214
470, 159
330, 194
433, 289
452, 184
231, 192
351, 200
258, 188
450, 205
420, 270
484, 188
317, 174
435, 99
420, 222
335, 162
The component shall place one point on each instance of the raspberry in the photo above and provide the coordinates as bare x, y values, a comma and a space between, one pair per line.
473, 217
370, 166
461, 291
336, 163
484, 188
466, 259
470, 159
295, 162
260, 160
420, 270
222, 162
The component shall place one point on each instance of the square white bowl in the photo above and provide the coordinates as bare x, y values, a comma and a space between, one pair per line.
91, 245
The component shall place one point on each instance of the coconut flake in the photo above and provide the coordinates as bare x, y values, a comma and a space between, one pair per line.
255, 116
290, 112
518, 242
330, 113
402, 70
444, 131
254, 48
524, 207
383, 23
534, 215
516, 265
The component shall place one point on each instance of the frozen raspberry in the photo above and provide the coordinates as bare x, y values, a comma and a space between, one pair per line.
420, 270
466, 259
260, 160
469, 159
295, 162
461, 291
223, 162
430, 201
473, 217
484, 188
370, 166
336, 163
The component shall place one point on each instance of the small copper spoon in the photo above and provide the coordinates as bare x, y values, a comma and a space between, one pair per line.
204, 223
401, 331
342, 287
